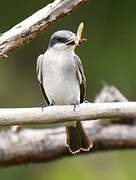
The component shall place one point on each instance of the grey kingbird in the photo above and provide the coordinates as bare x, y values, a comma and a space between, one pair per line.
62, 81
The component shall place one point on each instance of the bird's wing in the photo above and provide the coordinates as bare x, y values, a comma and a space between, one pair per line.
81, 78
39, 76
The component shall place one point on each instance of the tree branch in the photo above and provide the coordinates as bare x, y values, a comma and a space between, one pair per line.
30, 27
29, 145
19, 146
57, 114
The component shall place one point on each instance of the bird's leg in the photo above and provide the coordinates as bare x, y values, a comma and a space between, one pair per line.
75, 105
42, 105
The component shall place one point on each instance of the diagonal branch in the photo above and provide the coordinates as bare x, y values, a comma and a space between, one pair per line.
30, 27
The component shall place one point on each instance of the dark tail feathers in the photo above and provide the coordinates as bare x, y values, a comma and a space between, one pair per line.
77, 139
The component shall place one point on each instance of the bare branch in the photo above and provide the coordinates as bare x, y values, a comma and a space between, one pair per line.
29, 145
30, 27
57, 114
110, 94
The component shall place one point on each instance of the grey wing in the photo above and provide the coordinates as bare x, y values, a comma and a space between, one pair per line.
39, 76
81, 78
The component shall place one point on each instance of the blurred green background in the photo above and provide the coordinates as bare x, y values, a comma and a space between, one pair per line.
109, 55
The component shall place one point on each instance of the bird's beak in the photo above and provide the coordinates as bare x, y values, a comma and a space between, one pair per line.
75, 42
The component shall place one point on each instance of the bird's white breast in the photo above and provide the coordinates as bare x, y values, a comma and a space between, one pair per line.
60, 79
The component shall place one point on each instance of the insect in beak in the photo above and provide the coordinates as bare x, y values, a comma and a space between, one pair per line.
78, 40
79, 34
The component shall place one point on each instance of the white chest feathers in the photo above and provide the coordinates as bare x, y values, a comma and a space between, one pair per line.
60, 80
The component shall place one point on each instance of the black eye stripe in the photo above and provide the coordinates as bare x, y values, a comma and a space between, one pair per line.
58, 40
62, 40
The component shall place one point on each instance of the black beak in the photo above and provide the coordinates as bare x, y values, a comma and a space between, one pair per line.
75, 42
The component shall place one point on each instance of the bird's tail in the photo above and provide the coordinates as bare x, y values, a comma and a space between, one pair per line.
77, 139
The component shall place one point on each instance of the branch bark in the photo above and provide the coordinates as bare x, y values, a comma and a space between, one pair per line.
19, 146
58, 114
30, 27
26, 146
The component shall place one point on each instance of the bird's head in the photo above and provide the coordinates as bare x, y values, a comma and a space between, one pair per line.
64, 40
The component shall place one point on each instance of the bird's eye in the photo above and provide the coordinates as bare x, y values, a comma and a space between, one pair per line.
61, 39
56, 40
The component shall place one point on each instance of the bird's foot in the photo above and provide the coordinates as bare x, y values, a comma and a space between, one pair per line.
42, 105
75, 105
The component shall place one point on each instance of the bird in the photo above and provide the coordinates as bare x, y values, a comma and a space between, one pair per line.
62, 81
